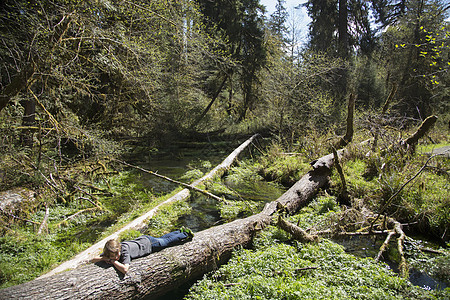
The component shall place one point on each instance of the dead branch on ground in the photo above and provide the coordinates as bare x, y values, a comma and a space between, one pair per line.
297, 233
188, 186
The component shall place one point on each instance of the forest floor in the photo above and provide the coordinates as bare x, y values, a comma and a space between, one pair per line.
130, 196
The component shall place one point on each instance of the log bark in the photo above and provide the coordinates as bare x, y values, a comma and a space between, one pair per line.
141, 222
159, 273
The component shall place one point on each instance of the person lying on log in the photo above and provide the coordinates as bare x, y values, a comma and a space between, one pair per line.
120, 254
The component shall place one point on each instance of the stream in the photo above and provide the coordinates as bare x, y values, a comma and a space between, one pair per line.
205, 214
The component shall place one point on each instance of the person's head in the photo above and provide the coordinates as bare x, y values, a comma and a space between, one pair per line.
112, 249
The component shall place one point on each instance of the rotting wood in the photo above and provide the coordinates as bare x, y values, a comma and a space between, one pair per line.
141, 221
297, 233
158, 273
384, 245
411, 142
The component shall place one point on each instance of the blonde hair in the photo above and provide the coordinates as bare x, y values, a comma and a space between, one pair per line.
111, 247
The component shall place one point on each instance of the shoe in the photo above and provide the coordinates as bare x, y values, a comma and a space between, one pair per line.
190, 234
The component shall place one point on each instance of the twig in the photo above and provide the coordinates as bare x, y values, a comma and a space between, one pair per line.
431, 251
232, 284
306, 268
92, 202
374, 232
85, 184
76, 214
18, 218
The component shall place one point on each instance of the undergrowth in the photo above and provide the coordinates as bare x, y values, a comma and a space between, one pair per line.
278, 267
280, 270
24, 255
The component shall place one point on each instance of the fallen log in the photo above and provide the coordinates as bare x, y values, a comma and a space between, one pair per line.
161, 272
402, 267
384, 245
141, 222
297, 233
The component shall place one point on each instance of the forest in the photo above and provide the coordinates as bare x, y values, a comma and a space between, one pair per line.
309, 166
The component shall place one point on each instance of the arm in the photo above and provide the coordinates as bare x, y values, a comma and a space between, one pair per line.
123, 268
97, 259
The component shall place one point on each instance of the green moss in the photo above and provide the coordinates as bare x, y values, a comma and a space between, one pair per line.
166, 219
129, 234
282, 168
428, 148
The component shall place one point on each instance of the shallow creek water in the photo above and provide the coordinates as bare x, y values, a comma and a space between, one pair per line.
364, 246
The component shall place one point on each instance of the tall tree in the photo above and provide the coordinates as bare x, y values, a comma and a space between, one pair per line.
339, 25
241, 23
277, 22
415, 50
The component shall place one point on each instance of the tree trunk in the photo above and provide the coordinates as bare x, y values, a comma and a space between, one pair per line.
203, 114
161, 272
343, 45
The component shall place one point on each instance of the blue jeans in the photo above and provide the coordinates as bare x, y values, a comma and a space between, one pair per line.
167, 240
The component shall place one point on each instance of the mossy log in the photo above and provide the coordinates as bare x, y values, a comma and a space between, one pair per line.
297, 233
411, 142
161, 272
